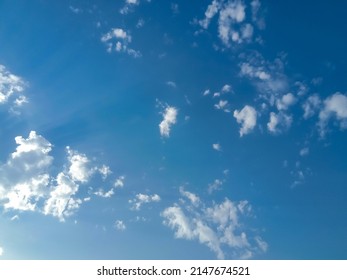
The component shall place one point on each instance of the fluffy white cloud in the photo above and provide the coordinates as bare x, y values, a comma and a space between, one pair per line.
216, 227
1, 251
311, 106
143, 199
117, 39
62, 202
169, 118
27, 185
129, 4
119, 225
217, 147
279, 122
104, 194
247, 117
232, 20
11, 87
206, 92
285, 101
80, 169
334, 106
246, 69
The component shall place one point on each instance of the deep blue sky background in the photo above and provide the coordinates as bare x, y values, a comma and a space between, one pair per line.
107, 107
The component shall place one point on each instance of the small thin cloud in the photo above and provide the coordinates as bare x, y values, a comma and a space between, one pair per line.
171, 84
217, 147
141, 199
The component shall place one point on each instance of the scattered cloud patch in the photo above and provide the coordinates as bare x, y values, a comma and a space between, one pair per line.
119, 183
119, 225
193, 198
118, 40
226, 88
217, 226
206, 92
11, 88
247, 117
128, 6
304, 151
216, 185
141, 199
233, 24
171, 84
169, 119
222, 105
285, 101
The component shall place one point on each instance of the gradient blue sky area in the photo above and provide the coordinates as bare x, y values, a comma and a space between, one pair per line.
138, 129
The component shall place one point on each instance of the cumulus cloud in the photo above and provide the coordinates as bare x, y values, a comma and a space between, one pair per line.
193, 198
226, 88
217, 226
211, 11
247, 117
128, 6
169, 119
119, 183
11, 88
284, 102
119, 225
141, 199
26, 182
118, 40
335, 106
279, 122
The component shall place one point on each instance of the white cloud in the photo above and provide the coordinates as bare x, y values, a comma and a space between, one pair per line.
105, 171
27, 185
304, 151
119, 183
285, 101
247, 117
334, 106
217, 147
171, 84
61, 202
206, 92
232, 12
169, 115
226, 88
279, 122
119, 225
143, 199
104, 194
128, 6
218, 227
11, 86
194, 199
254, 71
211, 11
311, 106
216, 185
1, 251
80, 169
117, 39
222, 105
140, 23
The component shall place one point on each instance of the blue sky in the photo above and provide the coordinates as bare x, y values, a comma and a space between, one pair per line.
138, 129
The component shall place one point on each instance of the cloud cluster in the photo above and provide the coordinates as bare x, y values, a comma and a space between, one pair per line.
141, 199
11, 89
26, 182
234, 25
218, 226
118, 40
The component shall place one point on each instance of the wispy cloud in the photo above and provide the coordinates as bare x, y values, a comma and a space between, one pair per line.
141, 199
217, 226
119, 225
279, 122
